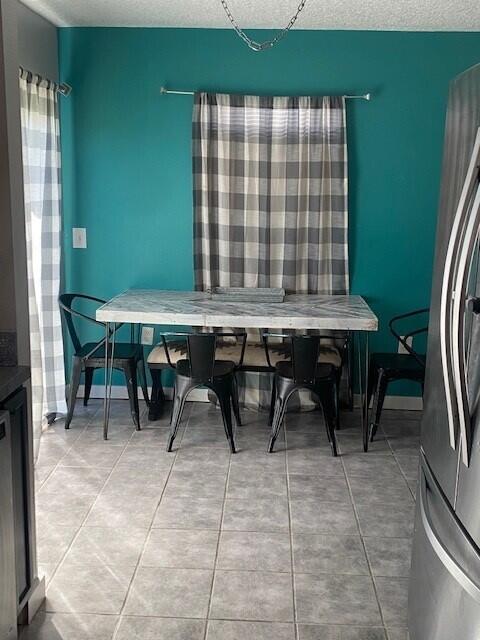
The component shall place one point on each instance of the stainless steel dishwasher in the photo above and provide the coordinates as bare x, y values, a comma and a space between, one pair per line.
8, 591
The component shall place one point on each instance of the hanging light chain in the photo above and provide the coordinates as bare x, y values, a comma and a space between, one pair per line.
267, 44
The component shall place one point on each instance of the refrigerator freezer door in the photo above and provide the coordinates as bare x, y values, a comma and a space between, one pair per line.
459, 323
452, 307
463, 120
445, 575
8, 600
467, 499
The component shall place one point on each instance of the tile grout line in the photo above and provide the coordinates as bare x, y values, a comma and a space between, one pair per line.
319, 625
403, 474
37, 491
387, 439
187, 423
81, 526
212, 587
364, 547
57, 466
64, 453
147, 537
387, 632
290, 531
150, 528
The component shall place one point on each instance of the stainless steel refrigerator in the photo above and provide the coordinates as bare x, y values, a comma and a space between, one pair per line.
444, 597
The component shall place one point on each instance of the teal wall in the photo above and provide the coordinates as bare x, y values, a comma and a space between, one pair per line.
126, 149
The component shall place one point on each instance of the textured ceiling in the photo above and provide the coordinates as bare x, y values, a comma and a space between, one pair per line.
402, 15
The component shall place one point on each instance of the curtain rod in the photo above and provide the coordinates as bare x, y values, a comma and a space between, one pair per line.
63, 88
164, 91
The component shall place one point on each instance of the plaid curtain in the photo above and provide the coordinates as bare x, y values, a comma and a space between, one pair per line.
270, 197
41, 174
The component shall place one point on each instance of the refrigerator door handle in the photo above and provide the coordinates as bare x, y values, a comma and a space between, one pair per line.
458, 325
447, 293
439, 547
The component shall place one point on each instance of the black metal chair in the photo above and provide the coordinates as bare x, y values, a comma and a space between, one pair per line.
127, 357
303, 371
385, 368
252, 358
202, 369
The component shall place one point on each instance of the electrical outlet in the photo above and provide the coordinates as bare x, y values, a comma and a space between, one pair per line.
79, 238
401, 348
147, 335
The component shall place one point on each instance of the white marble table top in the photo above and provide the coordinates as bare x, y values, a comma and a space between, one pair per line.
191, 308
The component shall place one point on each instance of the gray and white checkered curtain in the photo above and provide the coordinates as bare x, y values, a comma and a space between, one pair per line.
270, 196
42, 194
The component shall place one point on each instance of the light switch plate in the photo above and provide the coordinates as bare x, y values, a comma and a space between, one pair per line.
147, 335
79, 238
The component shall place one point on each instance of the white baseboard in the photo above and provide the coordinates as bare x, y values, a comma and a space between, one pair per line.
406, 403
120, 393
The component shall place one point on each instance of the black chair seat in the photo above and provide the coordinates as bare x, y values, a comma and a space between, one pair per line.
322, 371
397, 363
221, 368
122, 351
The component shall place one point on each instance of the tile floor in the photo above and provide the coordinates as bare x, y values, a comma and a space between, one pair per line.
139, 544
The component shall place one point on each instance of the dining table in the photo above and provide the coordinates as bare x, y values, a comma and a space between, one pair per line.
349, 313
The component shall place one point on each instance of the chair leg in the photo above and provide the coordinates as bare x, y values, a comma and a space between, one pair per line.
157, 400
235, 402
329, 399
272, 401
372, 384
74, 384
88, 385
336, 398
143, 380
348, 373
180, 392
338, 379
283, 393
280, 406
223, 396
373, 373
130, 371
382, 384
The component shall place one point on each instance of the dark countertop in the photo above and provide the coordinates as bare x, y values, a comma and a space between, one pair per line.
11, 378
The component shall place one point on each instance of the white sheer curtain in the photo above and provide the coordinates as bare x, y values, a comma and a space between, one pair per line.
41, 173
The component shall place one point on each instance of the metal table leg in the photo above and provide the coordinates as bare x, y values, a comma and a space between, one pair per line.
363, 384
108, 376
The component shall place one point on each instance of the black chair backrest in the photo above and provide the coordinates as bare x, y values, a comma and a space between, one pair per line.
201, 355
66, 300
201, 349
413, 333
304, 351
